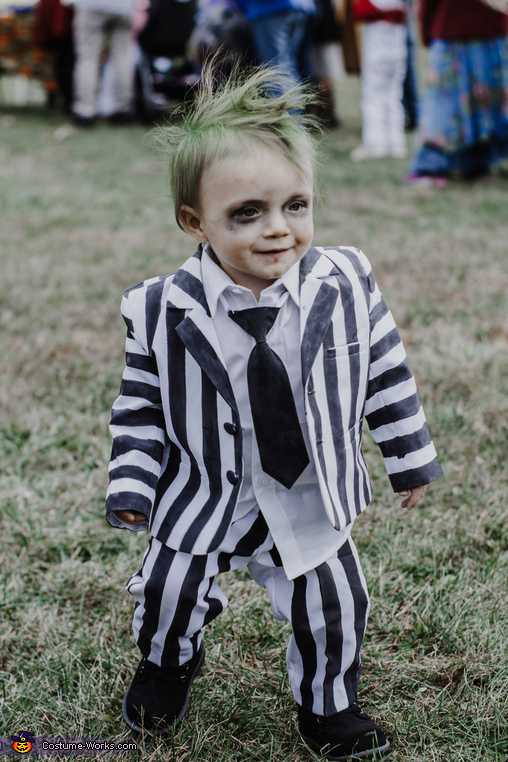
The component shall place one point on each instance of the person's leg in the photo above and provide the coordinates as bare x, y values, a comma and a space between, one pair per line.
395, 55
278, 39
122, 56
410, 102
89, 26
328, 609
374, 83
176, 596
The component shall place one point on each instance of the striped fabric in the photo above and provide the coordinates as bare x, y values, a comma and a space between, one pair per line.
177, 595
177, 443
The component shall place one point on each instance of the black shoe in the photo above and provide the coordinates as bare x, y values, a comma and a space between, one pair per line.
344, 736
122, 117
157, 698
83, 121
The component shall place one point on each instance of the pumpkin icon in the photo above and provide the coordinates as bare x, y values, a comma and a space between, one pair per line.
23, 743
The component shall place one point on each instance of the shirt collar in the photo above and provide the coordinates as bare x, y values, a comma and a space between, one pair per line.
291, 281
216, 281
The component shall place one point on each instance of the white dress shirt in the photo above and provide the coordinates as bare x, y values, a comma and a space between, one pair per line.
301, 530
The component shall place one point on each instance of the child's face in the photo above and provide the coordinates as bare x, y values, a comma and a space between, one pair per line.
255, 211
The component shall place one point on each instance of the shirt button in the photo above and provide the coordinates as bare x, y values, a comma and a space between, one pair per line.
264, 481
232, 477
230, 428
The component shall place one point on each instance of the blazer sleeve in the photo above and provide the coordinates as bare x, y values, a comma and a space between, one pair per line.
138, 430
393, 409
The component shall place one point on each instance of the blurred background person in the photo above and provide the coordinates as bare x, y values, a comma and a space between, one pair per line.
278, 29
220, 24
410, 88
383, 68
320, 62
94, 20
53, 32
464, 110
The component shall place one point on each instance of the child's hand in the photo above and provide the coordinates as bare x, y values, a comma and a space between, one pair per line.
134, 518
412, 496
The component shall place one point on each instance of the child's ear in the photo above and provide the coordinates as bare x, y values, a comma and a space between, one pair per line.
191, 221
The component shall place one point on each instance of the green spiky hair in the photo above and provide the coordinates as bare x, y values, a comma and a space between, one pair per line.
229, 115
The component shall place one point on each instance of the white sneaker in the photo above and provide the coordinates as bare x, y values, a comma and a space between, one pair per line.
363, 152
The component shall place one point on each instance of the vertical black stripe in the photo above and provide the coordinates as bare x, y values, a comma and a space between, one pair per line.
153, 593
183, 609
320, 316
366, 279
153, 309
332, 385
176, 368
211, 458
334, 635
361, 603
357, 455
336, 421
179, 504
304, 640
318, 428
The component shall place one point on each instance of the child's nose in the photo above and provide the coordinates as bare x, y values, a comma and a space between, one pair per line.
276, 225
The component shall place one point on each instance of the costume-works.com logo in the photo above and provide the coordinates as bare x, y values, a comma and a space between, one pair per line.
23, 743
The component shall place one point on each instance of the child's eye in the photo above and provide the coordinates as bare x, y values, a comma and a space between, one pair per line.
296, 206
247, 211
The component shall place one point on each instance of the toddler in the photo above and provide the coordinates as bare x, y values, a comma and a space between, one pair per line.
237, 432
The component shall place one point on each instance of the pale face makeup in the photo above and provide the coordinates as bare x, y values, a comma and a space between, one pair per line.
256, 213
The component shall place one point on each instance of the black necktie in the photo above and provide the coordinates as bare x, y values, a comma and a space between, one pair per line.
280, 440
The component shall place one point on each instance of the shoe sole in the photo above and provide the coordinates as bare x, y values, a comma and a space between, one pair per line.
140, 729
379, 751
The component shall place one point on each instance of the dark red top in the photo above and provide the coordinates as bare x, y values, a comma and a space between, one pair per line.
367, 11
459, 20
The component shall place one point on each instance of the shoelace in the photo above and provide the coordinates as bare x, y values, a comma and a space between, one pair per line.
168, 675
353, 709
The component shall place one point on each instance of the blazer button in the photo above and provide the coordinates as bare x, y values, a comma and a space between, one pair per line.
230, 428
232, 477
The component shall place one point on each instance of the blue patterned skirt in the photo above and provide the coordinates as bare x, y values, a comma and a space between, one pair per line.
464, 110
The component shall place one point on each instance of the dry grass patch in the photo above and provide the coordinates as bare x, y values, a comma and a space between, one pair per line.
84, 216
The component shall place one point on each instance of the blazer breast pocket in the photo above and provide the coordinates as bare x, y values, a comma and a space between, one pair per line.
346, 350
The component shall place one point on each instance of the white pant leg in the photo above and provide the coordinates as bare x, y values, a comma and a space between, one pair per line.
89, 31
177, 595
328, 609
383, 68
122, 57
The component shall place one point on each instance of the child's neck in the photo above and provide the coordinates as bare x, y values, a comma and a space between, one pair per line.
256, 285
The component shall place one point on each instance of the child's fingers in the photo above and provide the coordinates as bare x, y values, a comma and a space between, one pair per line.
412, 496
131, 517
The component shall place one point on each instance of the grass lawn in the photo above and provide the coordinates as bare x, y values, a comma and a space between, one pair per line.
85, 214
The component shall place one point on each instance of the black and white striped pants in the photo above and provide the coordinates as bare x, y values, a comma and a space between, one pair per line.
177, 595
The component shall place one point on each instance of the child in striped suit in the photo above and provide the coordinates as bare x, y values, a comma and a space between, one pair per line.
237, 431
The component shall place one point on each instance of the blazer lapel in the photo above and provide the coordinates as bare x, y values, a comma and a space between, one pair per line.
317, 304
197, 330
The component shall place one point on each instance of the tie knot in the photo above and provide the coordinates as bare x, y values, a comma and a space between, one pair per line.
257, 321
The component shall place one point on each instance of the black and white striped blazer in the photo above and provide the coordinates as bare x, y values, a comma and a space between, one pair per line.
176, 428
